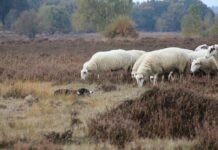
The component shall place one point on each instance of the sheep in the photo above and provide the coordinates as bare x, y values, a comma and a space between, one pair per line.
213, 52
135, 55
202, 47
197, 54
138, 62
112, 60
160, 62
136, 65
206, 65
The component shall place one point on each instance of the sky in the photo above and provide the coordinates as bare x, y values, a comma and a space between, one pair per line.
208, 2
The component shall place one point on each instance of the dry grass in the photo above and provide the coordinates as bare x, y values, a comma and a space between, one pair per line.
20, 89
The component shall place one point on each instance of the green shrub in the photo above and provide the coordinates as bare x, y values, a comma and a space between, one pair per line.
122, 26
27, 23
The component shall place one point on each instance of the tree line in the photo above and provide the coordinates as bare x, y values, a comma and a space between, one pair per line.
31, 17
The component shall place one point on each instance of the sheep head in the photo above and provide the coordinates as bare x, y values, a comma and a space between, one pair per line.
196, 65
84, 73
212, 51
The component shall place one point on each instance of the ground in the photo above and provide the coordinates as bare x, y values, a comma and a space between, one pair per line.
38, 67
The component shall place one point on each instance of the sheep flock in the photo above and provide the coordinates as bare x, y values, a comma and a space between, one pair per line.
150, 66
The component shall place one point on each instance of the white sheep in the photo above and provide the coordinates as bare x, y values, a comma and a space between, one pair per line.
138, 62
213, 52
202, 47
135, 55
160, 62
110, 61
207, 65
136, 65
197, 54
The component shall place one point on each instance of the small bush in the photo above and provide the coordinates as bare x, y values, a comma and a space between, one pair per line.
122, 26
60, 138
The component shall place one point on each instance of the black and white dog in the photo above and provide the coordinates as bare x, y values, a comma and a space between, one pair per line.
83, 92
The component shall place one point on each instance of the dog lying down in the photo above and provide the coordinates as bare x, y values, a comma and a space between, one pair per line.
79, 92
84, 92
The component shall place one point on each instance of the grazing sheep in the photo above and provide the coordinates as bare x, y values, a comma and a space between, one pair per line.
136, 65
138, 62
112, 60
206, 65
135, 55
160, 62
202, 47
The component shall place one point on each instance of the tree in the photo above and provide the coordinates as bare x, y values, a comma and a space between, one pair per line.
191, 23
11, 18
94, 15
35, 4
27, 23
145, 14
54, 19
7, 5
214, 29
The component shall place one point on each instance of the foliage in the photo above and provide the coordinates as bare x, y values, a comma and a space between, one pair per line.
11, 18
94, 15
35, 4
7, 5
165, 15
54, 18
191, 23
27, 23
214, 29
122, 26
145, 15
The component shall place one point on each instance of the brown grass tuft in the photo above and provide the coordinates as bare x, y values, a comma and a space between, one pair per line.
15, 92
107, 87
60, 138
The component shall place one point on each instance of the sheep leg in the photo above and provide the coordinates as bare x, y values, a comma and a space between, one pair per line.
208, 76
162, 78
155, 79
181, 76
170, 76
